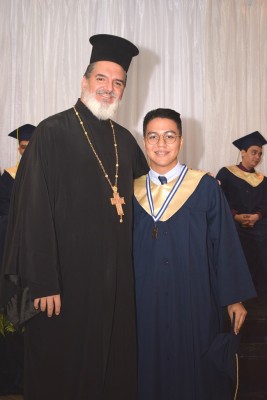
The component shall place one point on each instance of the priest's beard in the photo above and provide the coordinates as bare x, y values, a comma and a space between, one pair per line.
100, 109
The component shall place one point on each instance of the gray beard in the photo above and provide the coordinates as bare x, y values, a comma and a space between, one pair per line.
101, 110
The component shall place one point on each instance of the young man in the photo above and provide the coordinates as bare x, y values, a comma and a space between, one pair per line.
246, 192
71, 248
188, 266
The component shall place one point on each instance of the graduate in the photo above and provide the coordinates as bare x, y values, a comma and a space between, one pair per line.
189, 266
246, 192
11, 346
69, 247
22, 134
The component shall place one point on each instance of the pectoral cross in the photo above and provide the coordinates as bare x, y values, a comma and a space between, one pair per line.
117, 201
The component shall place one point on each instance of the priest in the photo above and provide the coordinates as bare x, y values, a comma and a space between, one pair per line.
68, 255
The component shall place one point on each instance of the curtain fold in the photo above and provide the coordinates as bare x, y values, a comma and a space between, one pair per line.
205, 58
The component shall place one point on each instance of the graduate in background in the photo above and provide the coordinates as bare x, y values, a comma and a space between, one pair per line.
189, 265
11, 345
22, 135
246, 192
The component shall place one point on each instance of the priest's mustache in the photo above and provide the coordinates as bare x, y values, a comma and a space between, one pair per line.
105, 91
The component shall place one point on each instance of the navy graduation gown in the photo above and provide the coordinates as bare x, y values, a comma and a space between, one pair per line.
11, 345
6, 186
243, 197
184, 278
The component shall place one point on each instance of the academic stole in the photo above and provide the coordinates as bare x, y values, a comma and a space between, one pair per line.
165, 204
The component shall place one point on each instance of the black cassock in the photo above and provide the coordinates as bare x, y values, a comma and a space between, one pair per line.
64, 236
246, 192
184, 278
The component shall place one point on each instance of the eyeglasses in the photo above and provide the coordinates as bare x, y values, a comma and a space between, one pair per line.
168, 137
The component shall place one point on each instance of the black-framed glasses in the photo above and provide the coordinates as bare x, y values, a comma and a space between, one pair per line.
168, 137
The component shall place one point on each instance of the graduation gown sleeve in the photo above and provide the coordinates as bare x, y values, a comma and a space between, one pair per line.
233, 279
6, 186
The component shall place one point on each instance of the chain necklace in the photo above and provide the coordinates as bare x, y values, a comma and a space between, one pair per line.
116, 200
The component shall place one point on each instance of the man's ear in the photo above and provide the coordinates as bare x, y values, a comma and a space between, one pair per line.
84, 83
144, 143
181, 142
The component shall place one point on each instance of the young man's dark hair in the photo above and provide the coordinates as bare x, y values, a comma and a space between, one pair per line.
163, 113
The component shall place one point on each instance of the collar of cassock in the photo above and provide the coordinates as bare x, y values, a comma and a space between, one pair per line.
252, 178
160, 193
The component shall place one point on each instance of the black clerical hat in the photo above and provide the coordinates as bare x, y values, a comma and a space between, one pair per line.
112, 48
222, 354
252, 139
24, 132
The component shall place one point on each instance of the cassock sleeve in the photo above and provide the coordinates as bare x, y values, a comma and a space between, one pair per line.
30, 260
233, 279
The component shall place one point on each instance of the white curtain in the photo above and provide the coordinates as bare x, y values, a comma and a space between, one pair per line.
206, 59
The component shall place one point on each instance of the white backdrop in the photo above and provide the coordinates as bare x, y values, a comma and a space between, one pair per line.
205, 58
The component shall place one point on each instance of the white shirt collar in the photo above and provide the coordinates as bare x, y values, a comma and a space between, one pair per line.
170, 175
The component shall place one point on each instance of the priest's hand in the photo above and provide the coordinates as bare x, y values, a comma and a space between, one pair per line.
240, 315
51, 304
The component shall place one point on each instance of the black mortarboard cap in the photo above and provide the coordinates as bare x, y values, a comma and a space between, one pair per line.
222, 354
252, 139
112, 48
24, 132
